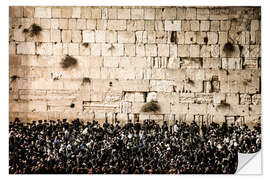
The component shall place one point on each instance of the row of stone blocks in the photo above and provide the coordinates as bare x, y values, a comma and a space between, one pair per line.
128, 12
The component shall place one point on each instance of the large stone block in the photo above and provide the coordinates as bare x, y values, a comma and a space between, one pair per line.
161, 85
88, 36
117, 25
149, 13
26, 48
172, 25
41, 12
44, 49
126, 37
203, 13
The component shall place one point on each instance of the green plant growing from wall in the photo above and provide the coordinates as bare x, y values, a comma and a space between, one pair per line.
14, 78
34, 30
85, 45
152, 106
68, 61
228, 48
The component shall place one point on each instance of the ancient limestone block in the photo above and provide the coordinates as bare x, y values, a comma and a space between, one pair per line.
158, 74
225, 25
194, 51
149, 25
111, 36
76, 12
117, 25
141, 37
255, 25
57, 49
214, 26
112, 13
159, 25
255, 51
118, 50
203, 98
73, 49
100, 36
140, 50
137, 13
135, 25
66, 36
203, 13
56, 12
172, 25
250, 63
151, 37
211, 63
95, 49
86, 12
101, 24
215, 50
88, 36
106, 50
194, 25
28, 11
190, 38
173, 50
245, 99
45, 23
181, 13
12, 48
191, 13
111, 62
201, 37
150, 50
129, 49
44, 36
96, 13
44, 49
197, 108
123, 13
54, 23
218, 98
76, 36
256, 99
126, 37
169, 13
151, 96
139, 97
149, 13
185, 25
81, 24
41, 12
63, 23
163, 50
72, 24
223, 37
91, 24
26, 48
183, 50
161, 85
205, 51
212, 37
66, 12
18, 35
231, 63
129, 96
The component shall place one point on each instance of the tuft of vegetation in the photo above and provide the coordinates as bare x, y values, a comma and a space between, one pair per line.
35, 30
85, 45
228, 48
72, 105
14, 78
68, 61
86, 80
111, 47
25, 30
152, 106
223, 104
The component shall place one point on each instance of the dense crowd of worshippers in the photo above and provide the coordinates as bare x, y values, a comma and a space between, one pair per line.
59, 147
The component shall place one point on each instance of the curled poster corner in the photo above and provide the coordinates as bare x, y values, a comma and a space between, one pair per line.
249, 163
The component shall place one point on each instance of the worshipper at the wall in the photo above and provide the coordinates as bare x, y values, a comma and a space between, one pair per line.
77, 148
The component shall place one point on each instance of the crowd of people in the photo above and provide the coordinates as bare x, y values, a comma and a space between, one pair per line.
59, 147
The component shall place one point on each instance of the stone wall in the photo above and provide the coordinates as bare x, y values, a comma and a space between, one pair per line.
127, 56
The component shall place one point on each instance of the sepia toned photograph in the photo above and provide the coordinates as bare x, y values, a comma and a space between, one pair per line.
133, 89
